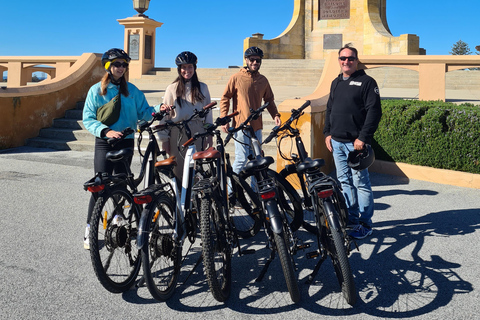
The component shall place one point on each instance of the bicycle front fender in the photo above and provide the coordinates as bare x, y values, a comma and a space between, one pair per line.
332, 215
142, 226
275, 218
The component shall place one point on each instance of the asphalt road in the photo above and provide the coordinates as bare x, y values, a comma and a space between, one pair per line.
421, 261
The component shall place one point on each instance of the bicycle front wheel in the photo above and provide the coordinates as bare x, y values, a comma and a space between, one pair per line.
217, 251
337, 250
287, 266
113, 240
308, 222
289, 200
161, 256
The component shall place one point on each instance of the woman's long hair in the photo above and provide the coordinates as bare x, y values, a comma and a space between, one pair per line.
197, 94
107, 79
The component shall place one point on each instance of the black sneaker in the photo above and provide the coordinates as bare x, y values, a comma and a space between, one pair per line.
360, 232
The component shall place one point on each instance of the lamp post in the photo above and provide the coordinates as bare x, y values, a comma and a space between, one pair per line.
141, 6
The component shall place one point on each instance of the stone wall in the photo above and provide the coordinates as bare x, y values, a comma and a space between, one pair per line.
321, 26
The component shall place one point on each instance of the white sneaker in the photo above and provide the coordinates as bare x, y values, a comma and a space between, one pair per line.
86, 242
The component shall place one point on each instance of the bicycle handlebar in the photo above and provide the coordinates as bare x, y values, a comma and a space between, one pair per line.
143, 125
209, 131
184, 123
125, 132
296, 113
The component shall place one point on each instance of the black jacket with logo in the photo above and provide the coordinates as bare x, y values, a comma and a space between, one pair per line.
353, 109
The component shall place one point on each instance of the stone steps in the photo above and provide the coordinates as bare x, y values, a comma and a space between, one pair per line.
288, 78
67, 133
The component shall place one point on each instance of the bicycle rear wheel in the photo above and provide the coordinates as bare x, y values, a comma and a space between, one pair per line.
113, 240
244, 207
338, 252
217, 251
161, 256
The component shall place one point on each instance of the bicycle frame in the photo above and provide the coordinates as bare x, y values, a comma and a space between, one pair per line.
183, 203
265, 185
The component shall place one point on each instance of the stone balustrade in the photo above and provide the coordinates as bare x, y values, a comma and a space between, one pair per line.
27, 109
20, 69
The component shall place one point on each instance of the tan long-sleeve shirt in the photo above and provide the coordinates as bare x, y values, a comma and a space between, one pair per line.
247, 90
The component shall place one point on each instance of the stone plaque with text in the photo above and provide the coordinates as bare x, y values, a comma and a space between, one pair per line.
334, 9
332, 41
134, 46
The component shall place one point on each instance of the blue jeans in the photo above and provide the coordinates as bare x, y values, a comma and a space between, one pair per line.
356, 185
243, 149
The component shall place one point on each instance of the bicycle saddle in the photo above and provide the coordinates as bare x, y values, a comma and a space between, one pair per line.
310, 163
172, 161
258, 164
210, 153
119, 155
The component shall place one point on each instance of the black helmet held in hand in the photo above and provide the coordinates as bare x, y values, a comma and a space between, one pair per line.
114, 54
253, 51
361, 159
186, 57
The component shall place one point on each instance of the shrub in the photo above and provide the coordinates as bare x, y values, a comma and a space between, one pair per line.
430, 133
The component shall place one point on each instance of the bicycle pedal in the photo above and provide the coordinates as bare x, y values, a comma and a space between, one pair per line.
303, 246
248, 251
312, 255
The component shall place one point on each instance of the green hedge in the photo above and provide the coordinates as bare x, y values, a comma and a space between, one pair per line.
430, 133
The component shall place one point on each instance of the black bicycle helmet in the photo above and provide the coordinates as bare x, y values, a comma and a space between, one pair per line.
114, 54
253, 51
361, 159
186, 57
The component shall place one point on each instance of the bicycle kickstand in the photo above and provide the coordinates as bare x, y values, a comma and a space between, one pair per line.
265, 267
315, 271
200, 259
141, 282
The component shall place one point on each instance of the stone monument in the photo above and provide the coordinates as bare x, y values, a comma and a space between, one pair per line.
320, 26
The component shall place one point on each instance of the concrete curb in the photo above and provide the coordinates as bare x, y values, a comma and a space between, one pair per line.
442, 176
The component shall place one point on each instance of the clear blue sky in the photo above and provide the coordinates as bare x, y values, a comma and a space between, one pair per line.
212, 29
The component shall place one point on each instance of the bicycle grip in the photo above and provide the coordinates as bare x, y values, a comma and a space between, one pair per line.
188, 142
306, 104
210, 105
270, 137
233, 114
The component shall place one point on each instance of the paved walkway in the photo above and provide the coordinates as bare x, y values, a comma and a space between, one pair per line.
421, 261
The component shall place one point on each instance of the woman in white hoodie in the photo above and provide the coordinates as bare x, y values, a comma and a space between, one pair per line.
186, 93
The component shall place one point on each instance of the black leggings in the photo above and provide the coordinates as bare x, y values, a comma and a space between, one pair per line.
100, 163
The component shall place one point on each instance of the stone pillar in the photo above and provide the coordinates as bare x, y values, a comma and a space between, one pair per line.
139, 43
17, 74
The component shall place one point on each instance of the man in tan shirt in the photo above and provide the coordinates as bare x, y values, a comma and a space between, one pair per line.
247, 88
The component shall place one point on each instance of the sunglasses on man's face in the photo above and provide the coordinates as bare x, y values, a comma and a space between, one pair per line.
255, 60
120, 64
347, 58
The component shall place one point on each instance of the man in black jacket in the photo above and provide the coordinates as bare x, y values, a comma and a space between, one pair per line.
353, 114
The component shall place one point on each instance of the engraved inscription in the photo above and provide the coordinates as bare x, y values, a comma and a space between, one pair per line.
334, 9
134, 46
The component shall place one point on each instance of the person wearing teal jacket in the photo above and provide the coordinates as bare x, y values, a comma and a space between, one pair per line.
134, 107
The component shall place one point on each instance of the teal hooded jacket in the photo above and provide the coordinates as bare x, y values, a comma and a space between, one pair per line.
134, 107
